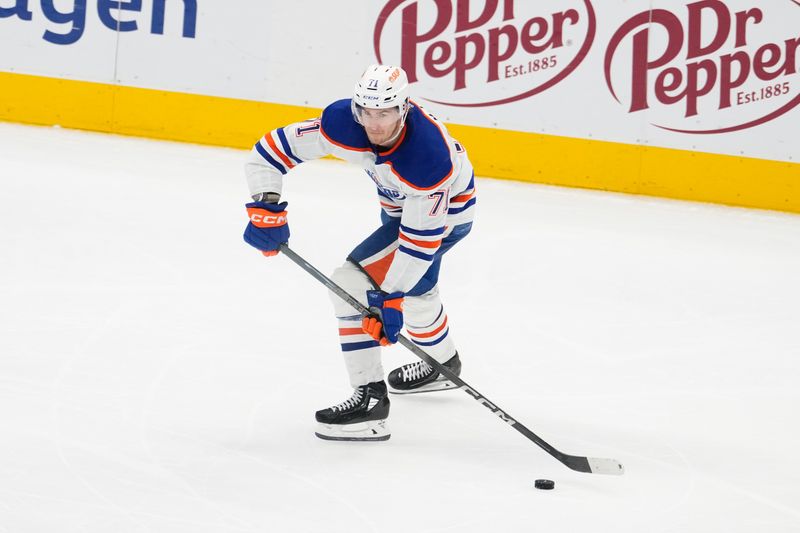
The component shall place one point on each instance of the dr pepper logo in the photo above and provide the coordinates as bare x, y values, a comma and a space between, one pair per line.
474, 53
708, 66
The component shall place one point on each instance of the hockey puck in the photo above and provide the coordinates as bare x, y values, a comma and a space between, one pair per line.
544, 484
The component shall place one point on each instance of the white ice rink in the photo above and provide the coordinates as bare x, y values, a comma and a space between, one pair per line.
159, 375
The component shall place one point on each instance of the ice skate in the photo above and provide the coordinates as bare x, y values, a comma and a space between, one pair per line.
421, 377
361, 418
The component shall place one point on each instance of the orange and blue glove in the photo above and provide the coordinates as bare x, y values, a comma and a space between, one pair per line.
386, 320
268, 227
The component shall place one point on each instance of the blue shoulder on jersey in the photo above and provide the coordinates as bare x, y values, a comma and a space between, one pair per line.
423, 158
340, 128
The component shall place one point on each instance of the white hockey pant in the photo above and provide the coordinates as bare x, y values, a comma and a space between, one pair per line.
424, 317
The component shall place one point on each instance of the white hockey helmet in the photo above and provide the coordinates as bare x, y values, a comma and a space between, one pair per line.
381, 87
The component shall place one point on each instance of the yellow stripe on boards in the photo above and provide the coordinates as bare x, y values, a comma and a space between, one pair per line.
142, 112
635, 169
38, 100
530, 157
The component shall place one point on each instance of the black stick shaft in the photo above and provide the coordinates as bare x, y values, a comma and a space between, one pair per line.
577, 463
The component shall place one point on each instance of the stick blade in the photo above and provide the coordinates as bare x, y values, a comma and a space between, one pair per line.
610, 467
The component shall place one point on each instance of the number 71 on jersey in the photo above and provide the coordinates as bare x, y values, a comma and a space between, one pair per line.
441, 202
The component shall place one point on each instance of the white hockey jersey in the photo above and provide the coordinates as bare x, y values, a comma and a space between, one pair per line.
426, 179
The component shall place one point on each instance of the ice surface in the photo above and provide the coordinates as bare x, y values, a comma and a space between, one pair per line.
158, 375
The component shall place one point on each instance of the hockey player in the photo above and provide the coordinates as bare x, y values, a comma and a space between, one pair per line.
425, 186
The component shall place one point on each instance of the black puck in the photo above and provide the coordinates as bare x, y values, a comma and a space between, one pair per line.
544, 484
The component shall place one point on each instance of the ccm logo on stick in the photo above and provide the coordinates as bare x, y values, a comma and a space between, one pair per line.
496, 410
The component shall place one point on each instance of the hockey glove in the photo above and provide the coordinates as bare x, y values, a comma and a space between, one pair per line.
386, 320
268, 227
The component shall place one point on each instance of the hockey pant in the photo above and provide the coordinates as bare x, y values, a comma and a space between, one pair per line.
423, 312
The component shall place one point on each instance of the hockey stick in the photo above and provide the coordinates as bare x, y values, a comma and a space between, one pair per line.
592, 465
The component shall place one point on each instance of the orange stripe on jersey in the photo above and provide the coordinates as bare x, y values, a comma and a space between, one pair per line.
377, 270
384, 204
397, 144
423, 244
424, 114
396, 303
435, 185
430, 334
340, 145
463, 197
284, 158
351, 331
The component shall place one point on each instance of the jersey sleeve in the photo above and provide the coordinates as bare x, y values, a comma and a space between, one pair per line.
422, 228
279, 151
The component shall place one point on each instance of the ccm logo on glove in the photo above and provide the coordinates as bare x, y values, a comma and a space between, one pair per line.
264, 219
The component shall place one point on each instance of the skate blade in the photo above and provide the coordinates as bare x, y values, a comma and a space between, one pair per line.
374, 430
438, 385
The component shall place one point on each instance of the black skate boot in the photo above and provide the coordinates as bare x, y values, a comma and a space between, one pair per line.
421, 377
362, 417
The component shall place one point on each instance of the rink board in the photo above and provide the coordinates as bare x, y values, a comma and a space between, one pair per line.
521, 156
690, 99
